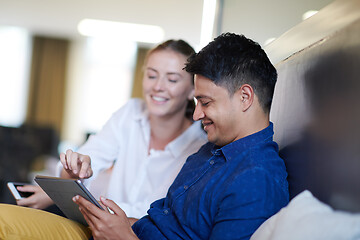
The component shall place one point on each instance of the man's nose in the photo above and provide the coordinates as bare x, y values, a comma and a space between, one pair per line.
198, 112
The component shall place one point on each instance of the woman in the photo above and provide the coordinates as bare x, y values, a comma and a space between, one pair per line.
145, 142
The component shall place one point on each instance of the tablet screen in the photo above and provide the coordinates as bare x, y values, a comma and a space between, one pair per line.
61, 191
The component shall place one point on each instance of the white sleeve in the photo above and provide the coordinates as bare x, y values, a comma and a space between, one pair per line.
104, 146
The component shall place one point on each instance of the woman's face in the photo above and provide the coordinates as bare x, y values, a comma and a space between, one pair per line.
166, 87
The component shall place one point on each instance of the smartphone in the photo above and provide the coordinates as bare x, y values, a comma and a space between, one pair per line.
16, 193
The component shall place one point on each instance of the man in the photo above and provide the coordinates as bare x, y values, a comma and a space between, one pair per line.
233, 183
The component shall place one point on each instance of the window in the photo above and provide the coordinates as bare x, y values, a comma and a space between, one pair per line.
15, 46
100, 82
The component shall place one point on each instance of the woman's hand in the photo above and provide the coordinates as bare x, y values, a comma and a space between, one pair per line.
103, 224
76, 165
39, 199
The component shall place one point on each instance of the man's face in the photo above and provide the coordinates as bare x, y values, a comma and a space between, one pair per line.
219, 112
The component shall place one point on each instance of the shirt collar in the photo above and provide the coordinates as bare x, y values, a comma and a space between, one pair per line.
241, 145
179, 144
142, 114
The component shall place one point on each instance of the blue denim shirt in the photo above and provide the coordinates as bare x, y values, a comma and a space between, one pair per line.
221, 193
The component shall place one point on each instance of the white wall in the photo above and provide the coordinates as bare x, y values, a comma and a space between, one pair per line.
264, 19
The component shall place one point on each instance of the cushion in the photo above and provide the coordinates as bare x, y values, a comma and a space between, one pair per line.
305, 217
27, 223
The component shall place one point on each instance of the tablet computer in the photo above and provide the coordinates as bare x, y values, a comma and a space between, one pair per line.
62, 190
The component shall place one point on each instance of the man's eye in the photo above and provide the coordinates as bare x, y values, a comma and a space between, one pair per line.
204, 103
151, 77
173, 80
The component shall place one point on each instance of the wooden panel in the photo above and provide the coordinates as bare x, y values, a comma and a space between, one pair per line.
47, 83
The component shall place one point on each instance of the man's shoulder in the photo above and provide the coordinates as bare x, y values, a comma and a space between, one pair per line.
263, 153
266, 162
259, 177
259, 165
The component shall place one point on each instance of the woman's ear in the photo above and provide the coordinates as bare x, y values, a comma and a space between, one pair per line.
246, 95
191, 94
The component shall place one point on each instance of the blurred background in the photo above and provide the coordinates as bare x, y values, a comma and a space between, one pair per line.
66, 66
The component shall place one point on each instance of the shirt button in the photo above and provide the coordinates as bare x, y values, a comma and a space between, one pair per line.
166, 212
212, 162
186, 187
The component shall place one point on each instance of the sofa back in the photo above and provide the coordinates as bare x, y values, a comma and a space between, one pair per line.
316, 105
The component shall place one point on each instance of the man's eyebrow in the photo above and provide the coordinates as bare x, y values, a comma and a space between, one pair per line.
198, 97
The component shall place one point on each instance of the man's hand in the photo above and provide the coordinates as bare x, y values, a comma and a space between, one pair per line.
39, 199
103, 224
76, 165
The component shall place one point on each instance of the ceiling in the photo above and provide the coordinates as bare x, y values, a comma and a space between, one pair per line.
60, 18
257, 19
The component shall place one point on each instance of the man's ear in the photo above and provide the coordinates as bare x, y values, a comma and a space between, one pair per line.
246, 95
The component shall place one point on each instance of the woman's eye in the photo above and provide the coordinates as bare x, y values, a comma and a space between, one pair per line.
151, 77
173, 80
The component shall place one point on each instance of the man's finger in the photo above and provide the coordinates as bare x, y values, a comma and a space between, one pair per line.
87, 216
112, 206
88, 206
104, 207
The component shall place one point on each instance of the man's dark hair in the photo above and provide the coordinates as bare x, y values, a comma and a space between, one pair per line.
232, 60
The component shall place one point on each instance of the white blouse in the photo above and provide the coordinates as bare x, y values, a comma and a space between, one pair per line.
138, 178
